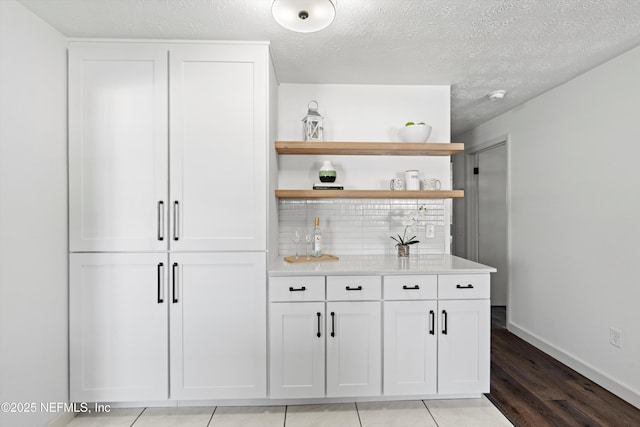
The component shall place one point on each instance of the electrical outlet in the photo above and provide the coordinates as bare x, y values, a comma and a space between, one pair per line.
431, 231
615, 337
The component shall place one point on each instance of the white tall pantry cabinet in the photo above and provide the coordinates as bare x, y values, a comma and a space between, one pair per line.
167, 209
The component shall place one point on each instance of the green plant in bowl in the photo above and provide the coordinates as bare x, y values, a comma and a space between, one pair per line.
415, 132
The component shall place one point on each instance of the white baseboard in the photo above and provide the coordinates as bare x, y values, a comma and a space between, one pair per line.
575, 363
62, 419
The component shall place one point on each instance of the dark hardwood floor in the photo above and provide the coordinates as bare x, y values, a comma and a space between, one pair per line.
534, 389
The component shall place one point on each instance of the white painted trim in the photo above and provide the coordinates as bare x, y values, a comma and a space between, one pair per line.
621, 390
62, 419
168, 41
280, 402
471, 207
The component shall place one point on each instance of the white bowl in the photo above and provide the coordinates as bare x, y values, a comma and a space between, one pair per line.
415, 133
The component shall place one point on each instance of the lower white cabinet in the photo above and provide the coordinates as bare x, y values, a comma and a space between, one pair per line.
126, 308
464, 354
218, 331
297, 348
347, 333
354, 346
118, 320
410, 348
328, 335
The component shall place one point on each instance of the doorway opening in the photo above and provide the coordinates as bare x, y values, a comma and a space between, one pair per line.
487, 176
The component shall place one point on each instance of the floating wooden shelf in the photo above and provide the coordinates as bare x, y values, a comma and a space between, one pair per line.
370, 148
368, 194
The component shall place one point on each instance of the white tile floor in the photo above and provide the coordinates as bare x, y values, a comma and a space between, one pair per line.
414, 413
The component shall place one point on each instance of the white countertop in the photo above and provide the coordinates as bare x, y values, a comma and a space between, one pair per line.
380, 264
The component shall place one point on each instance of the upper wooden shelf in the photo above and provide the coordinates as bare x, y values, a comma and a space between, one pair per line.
368, 194
370, 148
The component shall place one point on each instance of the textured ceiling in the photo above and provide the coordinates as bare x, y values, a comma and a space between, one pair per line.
523, 46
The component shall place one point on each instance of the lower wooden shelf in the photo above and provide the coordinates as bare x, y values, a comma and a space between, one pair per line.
369, 194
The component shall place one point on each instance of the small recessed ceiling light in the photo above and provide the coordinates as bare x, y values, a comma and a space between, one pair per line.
304, 16
497, 95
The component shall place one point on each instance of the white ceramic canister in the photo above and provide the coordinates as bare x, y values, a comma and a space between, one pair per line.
412, 179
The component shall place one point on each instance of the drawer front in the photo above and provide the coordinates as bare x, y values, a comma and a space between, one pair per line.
353, 288
410, 287
296, 288
463, 286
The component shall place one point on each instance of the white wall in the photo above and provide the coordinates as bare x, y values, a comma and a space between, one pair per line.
575, 233
33, 214
369, 113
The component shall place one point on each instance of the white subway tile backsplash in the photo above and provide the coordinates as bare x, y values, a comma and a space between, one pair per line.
361, 226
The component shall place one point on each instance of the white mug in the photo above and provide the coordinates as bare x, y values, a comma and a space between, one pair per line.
412, 177
397, 184
431, 184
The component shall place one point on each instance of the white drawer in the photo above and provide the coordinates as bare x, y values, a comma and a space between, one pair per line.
410, 287
296, 288
353, 288
463, 286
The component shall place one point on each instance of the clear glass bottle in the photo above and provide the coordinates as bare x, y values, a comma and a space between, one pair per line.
317, 239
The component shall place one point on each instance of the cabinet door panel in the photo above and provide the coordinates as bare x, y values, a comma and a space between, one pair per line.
218, 147
410, 347
464, 350
354, 351
118, 318
117, 148
296, 351
218, 331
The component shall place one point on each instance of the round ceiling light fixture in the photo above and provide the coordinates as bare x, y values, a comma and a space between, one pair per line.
304, 16
497, 95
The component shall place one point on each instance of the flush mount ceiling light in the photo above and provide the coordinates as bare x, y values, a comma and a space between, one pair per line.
304, 16
497, 95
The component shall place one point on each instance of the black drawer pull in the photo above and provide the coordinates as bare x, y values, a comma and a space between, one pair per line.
292, 289
357, 288
174, 280
432, 321
444, 322
416, 287
469, 286
319, 334
333, 324
160, 283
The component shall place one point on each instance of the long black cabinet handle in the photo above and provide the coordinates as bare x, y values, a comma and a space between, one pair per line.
416, 287
444, 322
160, 220
174, 279
292, 289
357, 288
469, 286
176, 222
319, 334
432, 322
333, 325
160, 282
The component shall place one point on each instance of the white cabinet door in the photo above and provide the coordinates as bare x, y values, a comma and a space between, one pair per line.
117, 148
118, 327
297, 343
410, 347
218, 136
218, 331
463, 346
354, 349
